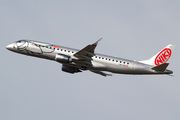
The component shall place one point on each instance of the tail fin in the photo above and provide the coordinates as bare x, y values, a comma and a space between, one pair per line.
161, 57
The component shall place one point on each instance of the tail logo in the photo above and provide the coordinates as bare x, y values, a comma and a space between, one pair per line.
163, 56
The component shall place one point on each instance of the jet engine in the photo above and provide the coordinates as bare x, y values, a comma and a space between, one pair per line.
70, 69
63, 58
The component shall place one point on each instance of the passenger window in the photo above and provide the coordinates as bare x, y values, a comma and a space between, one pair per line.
116, 60
99, 57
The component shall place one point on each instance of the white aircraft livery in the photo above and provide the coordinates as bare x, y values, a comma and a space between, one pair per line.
74, 61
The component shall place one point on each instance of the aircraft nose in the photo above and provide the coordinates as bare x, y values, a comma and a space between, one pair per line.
9, 47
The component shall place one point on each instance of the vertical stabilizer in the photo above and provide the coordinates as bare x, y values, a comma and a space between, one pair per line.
161, 57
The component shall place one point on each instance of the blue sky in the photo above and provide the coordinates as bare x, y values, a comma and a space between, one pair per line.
33, 88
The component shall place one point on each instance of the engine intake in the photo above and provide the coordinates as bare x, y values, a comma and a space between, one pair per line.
70, 69
63, 58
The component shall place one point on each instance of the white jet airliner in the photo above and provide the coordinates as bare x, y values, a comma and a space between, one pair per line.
74, 60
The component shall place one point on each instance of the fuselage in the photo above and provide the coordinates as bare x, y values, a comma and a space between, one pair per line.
98, 62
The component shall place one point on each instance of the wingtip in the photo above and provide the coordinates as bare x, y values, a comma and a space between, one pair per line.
97, 41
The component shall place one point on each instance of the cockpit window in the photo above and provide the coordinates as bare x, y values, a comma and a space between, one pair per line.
20, 42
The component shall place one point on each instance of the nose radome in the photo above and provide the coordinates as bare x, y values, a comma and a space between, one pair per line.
9, 47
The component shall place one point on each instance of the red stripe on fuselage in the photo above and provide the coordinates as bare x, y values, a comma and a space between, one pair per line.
56, 46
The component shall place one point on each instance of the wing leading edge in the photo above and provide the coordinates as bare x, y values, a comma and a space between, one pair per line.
88, 51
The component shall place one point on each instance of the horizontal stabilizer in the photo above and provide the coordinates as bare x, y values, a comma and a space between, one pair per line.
161, 67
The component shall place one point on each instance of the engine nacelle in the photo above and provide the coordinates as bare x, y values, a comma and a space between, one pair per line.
63, 58
70, 69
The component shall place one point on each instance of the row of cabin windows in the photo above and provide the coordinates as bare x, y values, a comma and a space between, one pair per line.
110, 59
73, 52
53, 48
64, 50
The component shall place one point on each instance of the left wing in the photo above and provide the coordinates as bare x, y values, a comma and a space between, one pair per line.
101, 73
87, 52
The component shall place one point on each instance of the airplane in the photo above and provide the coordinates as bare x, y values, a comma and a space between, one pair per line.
74, 61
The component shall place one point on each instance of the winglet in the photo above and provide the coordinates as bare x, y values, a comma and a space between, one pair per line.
97, 41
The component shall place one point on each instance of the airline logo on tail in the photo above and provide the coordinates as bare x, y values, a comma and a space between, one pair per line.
163, 56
